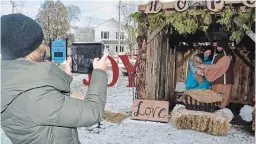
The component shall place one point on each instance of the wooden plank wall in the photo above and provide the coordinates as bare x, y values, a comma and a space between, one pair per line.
159, 69
181, 71
243, 90
161, 76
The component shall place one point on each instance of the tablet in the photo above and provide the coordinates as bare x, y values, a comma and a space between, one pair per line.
82, 55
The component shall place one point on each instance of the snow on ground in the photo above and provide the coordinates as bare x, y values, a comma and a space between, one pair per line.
140, 132
246, 113
119, 99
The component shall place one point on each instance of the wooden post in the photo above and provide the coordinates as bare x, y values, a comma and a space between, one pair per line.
243, 59
141, 70
173, 78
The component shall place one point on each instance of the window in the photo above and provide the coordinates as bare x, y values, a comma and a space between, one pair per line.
107, 47
121, 35
104, 35
121, 49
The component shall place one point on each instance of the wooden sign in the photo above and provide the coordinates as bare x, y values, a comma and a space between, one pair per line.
244, 9
150, 110
215, 5
153, 6
197, 3
181, 5
249, 3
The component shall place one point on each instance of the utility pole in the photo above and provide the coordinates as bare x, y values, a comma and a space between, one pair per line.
89, 21
119, 29
13, 5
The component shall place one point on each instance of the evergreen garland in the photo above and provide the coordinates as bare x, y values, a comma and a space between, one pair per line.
191, 21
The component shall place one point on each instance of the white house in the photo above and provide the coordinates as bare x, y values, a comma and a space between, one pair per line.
107, 33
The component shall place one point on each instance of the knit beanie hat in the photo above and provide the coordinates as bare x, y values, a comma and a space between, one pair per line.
20, 36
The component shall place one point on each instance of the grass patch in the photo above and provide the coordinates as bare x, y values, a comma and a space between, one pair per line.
112, 117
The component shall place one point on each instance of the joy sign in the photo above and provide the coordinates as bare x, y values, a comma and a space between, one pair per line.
130, 69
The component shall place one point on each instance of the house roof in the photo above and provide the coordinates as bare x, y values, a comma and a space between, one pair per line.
111, 19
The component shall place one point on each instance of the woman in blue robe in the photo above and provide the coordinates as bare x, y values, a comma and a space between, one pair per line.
192, 82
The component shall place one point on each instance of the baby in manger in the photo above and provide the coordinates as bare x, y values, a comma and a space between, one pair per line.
217, 72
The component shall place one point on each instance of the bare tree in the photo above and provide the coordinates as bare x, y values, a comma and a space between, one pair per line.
17, 6
55, 19
71, 38
73, 12
127, 8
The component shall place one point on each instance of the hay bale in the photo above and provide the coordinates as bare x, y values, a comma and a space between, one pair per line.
112, 117
211, 123
228, 112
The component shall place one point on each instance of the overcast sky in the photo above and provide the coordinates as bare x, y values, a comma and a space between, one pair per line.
97, 11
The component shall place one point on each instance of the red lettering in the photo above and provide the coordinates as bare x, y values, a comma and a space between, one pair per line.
86, 82
131, 70
115, 70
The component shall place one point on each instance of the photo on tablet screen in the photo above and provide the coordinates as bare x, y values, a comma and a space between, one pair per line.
83, 54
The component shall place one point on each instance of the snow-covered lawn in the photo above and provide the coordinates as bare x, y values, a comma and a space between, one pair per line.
141, 132
119, 97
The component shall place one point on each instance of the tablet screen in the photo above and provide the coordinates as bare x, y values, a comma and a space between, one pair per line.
82, 56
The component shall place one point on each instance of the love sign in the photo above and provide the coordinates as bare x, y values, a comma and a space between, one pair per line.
150, 110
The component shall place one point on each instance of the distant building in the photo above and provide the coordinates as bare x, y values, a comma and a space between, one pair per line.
107, 33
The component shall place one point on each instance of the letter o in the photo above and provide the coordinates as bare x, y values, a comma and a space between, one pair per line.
147, 111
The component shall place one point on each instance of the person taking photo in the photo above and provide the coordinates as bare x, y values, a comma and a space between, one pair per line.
36, 107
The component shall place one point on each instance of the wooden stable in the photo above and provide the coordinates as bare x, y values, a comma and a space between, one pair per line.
162, 66
165, 68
